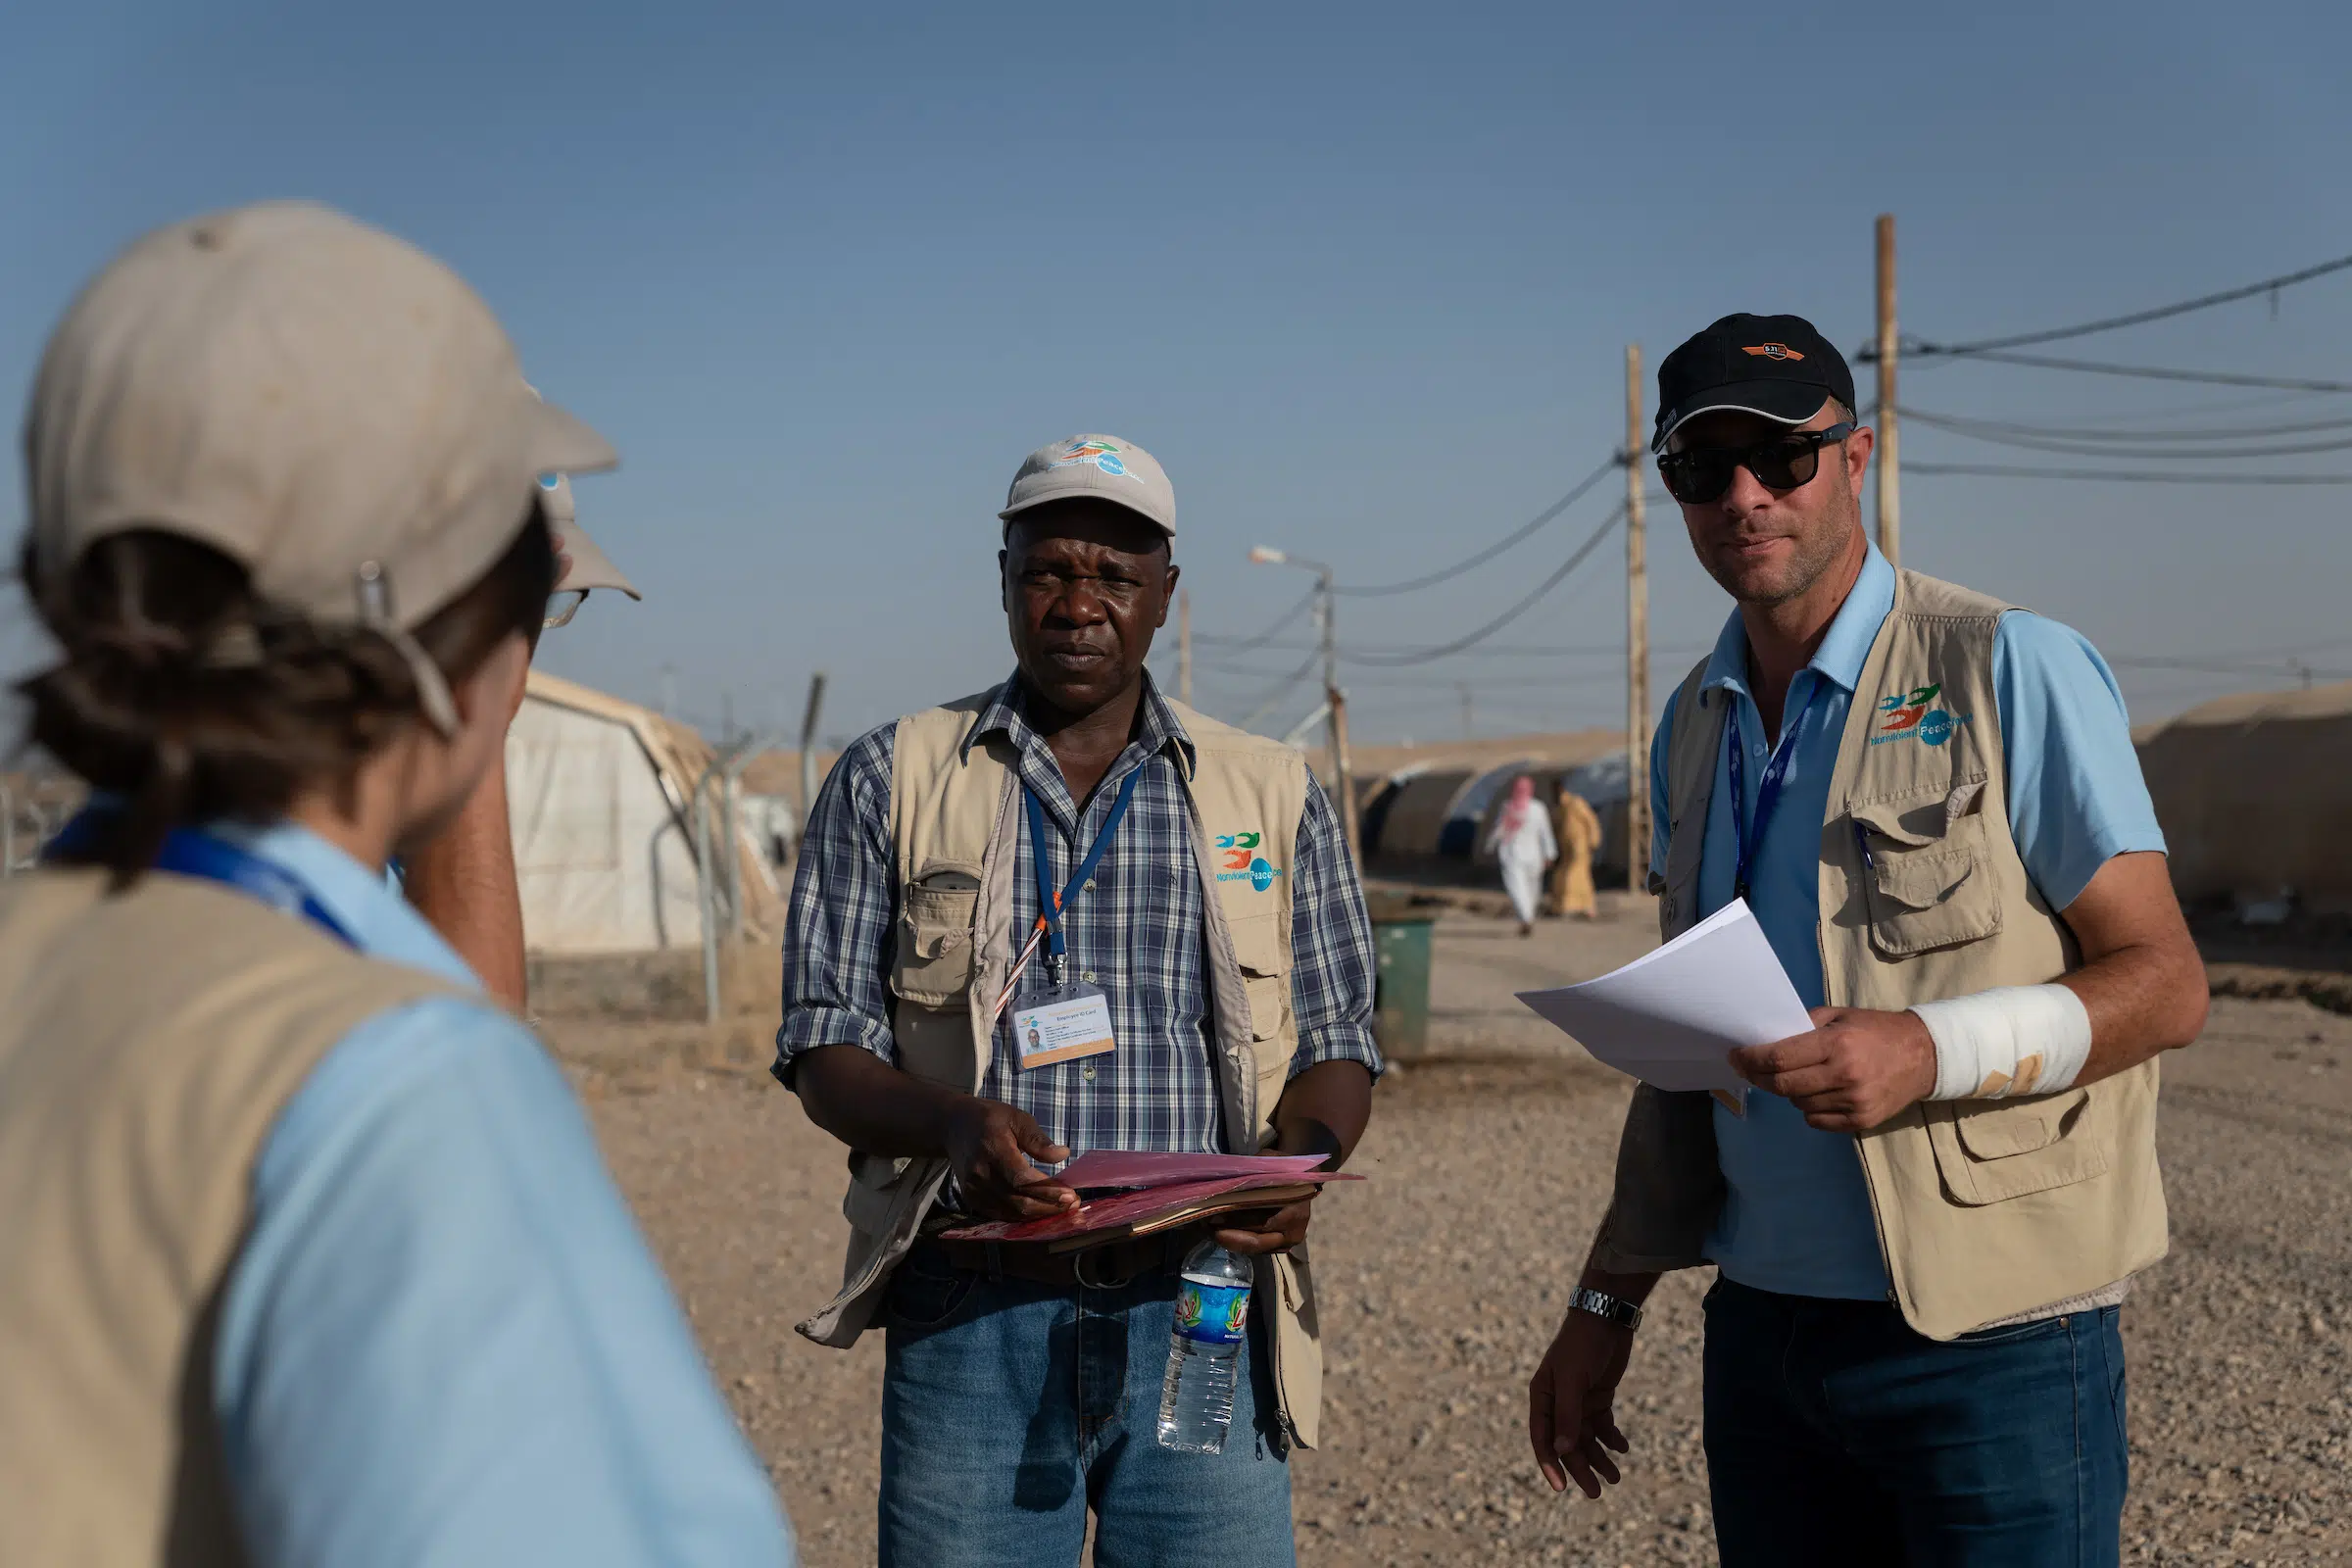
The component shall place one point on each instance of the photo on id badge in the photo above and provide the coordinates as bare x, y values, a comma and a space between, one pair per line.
1054, 1023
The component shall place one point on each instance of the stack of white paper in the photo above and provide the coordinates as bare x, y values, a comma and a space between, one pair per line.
1673, 1016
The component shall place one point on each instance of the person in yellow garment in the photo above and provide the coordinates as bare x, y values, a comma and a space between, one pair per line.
1925, 1222
1572, 873
311, 1256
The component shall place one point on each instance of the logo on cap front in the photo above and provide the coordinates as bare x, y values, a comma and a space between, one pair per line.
1774, 351
1102, 454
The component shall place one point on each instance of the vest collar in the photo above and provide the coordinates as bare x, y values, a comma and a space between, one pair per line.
1002, 716
1843, 650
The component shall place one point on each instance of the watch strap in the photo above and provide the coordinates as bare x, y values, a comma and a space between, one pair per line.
1608, 1308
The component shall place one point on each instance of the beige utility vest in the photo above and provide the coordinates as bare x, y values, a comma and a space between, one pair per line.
1984, 1209
956, 819
147, 1043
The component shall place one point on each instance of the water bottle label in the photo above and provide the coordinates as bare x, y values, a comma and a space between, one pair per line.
1213, 1314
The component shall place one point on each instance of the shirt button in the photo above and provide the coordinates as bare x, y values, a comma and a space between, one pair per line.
1757, 748
1090, 884
1089, 977
1089, 1073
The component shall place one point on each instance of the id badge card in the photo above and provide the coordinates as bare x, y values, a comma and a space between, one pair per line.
1060, 1023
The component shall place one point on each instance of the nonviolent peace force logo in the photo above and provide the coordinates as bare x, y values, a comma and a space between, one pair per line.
1914, 714
1102, 454
1243, 862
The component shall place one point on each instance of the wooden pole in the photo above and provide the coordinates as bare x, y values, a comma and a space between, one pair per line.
1637, 635
1346, 775
1183, 646
1891, 489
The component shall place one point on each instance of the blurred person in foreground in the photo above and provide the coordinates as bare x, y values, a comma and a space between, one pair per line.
464, 880
1523, 847
1572, 873
1223, 928
311, 1257
1925, 1219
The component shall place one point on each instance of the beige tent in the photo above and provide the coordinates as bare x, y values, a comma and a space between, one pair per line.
2254, 792
604, 841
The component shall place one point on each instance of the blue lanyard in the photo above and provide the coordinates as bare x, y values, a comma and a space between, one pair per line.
1050, 904
1768, 787
194, 852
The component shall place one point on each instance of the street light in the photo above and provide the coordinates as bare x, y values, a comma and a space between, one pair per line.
1268, 555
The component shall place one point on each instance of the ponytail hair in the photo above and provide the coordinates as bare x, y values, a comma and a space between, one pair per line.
191, 699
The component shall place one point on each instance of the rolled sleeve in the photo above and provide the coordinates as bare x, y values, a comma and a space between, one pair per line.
2076, 798
837, 938
1331, 945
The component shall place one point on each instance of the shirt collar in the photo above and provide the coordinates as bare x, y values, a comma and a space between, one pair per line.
1160, 731
1843, 647
382, 923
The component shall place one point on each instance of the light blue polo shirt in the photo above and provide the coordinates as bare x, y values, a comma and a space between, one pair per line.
444, 1339
1796, 1215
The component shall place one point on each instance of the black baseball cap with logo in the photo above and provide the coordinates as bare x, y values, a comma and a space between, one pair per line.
1774, 366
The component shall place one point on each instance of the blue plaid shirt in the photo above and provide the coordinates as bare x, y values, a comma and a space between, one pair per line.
1138, 931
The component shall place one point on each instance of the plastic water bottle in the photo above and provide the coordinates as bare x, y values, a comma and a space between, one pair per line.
1212, 1317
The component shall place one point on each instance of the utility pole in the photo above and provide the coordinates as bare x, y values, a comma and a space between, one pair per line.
1890, 490
1636, 636
1335, 704
1327, 601
1183, 646
809, 723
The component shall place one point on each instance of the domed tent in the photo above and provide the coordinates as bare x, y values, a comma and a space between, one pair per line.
2254, 792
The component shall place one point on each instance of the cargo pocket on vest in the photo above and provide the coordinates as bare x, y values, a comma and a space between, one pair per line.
1990, 1150
932, 966
1263, 956
1924, 877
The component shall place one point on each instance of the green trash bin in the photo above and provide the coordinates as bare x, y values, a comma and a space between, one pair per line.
1400, 939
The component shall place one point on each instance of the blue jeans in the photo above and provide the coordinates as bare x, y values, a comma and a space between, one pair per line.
1010, 1409
1838, 1434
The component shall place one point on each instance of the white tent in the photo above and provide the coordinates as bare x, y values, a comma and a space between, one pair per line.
604, 844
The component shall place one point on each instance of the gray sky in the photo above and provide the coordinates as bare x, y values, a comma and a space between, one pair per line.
1360, 276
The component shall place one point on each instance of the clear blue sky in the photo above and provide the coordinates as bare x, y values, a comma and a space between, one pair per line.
1360, 276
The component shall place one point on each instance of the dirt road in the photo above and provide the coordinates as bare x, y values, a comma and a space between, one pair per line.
1444, 1276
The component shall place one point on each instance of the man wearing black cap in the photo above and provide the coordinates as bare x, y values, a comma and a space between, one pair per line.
1925, 1213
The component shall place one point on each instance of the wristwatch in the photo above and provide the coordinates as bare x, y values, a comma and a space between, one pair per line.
1608, 1308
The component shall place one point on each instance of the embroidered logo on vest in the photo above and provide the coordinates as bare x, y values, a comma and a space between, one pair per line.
1913, 713
1243, 862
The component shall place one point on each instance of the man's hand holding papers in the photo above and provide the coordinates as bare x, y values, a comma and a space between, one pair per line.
1852, 1070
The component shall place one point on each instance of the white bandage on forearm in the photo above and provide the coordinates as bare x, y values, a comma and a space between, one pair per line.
2017, 1040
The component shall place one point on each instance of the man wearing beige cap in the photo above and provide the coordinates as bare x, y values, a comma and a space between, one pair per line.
310, 1254
465, 881
1185, 886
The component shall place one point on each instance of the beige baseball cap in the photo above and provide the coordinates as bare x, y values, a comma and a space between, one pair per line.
585, 565
1101, 466
327, 404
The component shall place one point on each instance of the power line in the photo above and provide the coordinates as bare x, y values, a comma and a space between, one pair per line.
1281, 689
1445, 650
1607, 466
1264, 638
2121, 475
1968, 424
2269, 286
2151, 372
1977, 430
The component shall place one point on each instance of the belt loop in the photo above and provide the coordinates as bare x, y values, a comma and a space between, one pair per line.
996, 1262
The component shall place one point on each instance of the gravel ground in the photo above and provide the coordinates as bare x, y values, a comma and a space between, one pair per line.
1445, 1275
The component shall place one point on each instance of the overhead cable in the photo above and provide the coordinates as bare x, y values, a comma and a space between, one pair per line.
1280, 691
2035, 442
1422, 656
2151, 372
2268, 286
1608, 465
2120, 475
1970, 425
1264, 638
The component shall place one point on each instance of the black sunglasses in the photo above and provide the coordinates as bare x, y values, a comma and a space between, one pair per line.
1700, 474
